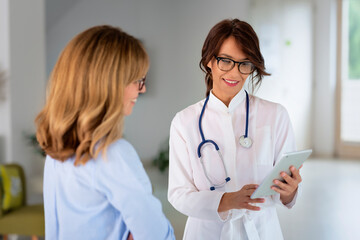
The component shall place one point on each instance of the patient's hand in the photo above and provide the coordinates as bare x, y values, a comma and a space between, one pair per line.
130, 237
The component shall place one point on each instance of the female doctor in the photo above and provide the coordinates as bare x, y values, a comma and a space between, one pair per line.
224, 145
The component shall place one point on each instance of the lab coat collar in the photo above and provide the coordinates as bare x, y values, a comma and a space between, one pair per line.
219, 105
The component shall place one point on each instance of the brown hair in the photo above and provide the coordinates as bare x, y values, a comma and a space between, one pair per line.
247, 39
84, 104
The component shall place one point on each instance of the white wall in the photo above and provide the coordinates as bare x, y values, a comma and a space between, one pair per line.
304, 72
288, 57
23, 43
5, 153
173, 33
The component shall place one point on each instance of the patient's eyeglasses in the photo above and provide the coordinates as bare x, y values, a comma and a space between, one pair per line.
141, 83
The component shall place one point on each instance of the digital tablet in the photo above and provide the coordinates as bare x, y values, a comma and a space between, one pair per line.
295, 159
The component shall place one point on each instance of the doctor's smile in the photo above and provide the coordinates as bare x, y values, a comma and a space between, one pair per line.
231, 83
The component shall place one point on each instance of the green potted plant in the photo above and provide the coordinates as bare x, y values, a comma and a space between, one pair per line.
32, 142
162, 159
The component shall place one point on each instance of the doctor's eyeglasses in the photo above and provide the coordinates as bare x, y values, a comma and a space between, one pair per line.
141, 83
226, 64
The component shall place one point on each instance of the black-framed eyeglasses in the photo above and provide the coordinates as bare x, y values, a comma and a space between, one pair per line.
141, 83
226, 64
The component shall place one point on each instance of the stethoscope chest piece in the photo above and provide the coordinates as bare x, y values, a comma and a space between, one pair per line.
246, 142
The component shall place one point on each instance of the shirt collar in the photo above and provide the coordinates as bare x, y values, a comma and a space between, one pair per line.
219, 105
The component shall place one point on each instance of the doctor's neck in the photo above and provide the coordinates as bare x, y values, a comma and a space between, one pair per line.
225, 98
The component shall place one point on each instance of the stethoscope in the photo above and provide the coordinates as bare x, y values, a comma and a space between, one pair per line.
244, 141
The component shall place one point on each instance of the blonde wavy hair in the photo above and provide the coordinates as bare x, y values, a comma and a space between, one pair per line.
84, 105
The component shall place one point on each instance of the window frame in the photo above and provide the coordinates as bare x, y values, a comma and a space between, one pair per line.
343, 149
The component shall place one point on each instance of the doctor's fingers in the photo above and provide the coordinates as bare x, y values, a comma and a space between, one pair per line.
248, 187
246, 192
296, 173
284, 186
291, 180
281, 191
245, 202
294, 179
256, 200
250, 207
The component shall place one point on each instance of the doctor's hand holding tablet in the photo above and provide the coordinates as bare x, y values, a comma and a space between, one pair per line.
224, 147
280, 180
284, 178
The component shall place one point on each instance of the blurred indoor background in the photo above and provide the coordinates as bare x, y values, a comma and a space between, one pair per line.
311, 47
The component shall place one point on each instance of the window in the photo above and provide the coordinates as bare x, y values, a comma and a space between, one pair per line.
349, 137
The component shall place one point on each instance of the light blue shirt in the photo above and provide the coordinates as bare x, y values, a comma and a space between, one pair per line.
103, 199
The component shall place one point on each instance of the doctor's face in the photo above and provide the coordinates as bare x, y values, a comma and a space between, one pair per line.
226, 84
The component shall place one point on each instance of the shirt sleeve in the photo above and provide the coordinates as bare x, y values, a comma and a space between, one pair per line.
182, 193
141, 211
51, 223
284, 142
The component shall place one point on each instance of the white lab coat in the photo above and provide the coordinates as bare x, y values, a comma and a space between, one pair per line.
272, 134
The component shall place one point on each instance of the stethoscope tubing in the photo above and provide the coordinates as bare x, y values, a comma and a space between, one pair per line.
213, 186
247, 115
227, 179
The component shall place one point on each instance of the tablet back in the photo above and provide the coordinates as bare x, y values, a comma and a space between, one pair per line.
295, 159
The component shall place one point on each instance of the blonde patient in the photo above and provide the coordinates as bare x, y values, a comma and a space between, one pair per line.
95, 186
